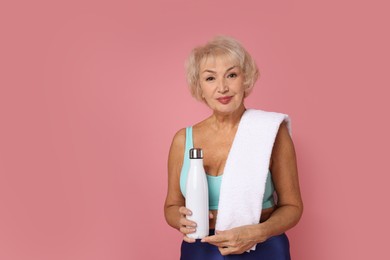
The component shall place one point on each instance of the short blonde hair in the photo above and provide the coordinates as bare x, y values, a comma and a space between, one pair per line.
220, 46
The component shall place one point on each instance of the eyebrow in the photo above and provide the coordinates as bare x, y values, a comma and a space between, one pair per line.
212, 71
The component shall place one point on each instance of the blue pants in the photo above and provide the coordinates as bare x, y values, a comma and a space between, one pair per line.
274, 248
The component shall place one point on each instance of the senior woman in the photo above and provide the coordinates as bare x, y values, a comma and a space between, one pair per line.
222, 74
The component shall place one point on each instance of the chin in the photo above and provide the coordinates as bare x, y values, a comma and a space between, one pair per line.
226, 109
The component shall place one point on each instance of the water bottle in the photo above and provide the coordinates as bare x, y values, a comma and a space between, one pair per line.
197, 194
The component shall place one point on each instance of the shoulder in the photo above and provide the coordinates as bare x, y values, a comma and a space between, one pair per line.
274, 120
283, 146
179, 137
176, 150
178, 141
283, 132
267, 115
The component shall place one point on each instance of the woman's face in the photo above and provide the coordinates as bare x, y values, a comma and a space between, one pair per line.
221, 82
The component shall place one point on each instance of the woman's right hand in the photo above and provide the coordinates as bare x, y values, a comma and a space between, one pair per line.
186, 226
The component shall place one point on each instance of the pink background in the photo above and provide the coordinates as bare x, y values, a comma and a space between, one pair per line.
92, 92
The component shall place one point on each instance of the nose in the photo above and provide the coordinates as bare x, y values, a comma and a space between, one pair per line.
223, 86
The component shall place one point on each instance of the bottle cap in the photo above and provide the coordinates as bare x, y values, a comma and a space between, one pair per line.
196, 153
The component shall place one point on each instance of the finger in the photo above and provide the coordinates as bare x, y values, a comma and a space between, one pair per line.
184, 211
187, 230
187, 223
230, 250
220, 232
219, 244
215, 239
225, 250
189, 240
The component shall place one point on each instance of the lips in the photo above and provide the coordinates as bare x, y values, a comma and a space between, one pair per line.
224, 100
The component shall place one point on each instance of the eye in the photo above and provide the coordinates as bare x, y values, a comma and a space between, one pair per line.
210, 78
232, 75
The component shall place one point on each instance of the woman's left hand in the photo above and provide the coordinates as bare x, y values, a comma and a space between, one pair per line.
233, 241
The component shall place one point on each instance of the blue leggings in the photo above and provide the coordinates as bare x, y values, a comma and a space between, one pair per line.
274, 248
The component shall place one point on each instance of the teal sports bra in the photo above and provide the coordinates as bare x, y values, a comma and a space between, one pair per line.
214, 182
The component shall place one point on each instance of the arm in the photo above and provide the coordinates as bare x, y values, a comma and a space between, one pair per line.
285, 177
174, 210
289, 207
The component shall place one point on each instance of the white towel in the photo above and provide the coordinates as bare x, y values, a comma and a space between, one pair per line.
246, 169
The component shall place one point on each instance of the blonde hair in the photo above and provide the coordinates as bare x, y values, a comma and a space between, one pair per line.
220, 46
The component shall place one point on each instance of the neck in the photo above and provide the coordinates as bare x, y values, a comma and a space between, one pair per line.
228, 121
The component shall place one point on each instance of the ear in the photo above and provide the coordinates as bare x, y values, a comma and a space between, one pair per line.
200, 92
247, 91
